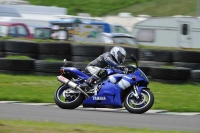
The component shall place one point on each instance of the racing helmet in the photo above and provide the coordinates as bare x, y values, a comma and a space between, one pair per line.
119, 53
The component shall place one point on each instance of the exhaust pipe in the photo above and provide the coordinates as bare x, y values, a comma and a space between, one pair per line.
71, 84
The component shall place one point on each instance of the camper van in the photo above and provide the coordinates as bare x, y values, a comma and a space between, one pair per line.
177, 31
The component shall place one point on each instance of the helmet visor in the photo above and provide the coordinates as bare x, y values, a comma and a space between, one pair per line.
121, 57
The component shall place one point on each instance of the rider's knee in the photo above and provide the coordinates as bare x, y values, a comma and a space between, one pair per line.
102, 73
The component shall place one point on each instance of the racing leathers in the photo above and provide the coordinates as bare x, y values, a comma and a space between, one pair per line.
95, 67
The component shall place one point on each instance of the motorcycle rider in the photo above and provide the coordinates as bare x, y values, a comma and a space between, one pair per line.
114, 58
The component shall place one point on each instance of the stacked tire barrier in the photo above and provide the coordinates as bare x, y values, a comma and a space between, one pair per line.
188, 59
81, 55
16, 66
16, 47
2, 49
155, 57
195, 76
54, 50
43, 67
170, 75
85, 53
149, 58
186, 64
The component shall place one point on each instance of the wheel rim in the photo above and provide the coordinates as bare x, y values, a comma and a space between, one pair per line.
65, 97
143, 101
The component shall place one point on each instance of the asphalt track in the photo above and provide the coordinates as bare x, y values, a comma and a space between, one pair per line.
153, 119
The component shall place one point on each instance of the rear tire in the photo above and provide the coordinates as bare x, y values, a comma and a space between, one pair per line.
139, 107
74, 103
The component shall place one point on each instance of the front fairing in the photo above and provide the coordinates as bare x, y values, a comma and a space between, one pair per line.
113, 71
109, 94
136, 77
140, 76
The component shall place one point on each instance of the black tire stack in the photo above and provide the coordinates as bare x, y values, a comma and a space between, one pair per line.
86, 53
16, 66
188, 59
82, 54
18, 47
54, 50
2, 49
195, 76
170, 75
151, 61
43, 67
23, 48
149, 58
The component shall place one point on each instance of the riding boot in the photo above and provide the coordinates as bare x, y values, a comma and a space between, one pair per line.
90, 81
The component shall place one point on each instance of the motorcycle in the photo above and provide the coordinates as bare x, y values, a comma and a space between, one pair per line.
119, 89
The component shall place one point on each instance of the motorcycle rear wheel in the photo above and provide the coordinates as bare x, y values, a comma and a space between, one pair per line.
71, 101
140, 106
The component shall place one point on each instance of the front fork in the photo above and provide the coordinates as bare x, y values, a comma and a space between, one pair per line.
135, 91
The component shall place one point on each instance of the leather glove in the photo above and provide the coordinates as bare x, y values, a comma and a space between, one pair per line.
121, 68
125, 70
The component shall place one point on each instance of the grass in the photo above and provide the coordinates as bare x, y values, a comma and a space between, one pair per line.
32, 88
94, 7
28, 39
167, 66
19, 126
28, 88
53, 60
136, 7
18, 57
161, 8
167, 48
176, 97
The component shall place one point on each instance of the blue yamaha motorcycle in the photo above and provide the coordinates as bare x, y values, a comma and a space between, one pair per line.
119, 89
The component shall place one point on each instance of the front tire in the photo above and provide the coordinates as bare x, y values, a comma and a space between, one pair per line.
140, 106
69, 101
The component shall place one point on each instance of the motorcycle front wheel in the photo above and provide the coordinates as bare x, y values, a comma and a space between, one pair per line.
67, 100
140, 105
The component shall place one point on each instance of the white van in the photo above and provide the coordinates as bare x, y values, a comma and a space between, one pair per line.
179, 31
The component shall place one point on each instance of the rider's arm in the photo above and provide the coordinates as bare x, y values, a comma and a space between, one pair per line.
108, 59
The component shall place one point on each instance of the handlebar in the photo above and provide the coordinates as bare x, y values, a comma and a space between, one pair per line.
119, 69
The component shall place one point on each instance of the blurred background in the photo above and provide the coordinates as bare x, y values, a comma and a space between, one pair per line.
160, 33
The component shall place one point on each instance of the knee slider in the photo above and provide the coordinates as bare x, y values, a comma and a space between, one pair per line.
102, 73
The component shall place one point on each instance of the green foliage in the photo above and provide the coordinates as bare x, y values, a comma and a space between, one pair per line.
17, 57
22, 126
6, 38
28, 88
166, 48
161, 8
94, 7
45, 40
53, 60
113, 7
175, 97
27, 39
37, 40
168, 66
